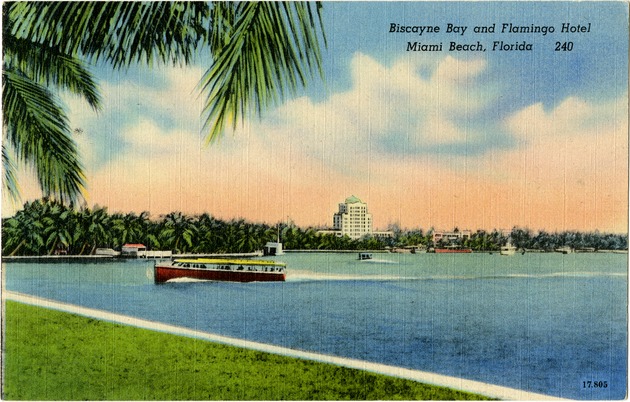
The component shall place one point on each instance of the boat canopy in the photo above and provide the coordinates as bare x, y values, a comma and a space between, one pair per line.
228, 261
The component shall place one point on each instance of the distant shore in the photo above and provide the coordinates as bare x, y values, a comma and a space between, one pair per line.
109, 258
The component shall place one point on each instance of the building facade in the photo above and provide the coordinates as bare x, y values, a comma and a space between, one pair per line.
353, 219
450, 237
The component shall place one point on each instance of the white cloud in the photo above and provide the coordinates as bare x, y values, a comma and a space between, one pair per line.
388, 111
175, 96
573, 117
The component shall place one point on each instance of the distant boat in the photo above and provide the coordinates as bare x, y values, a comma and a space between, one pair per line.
365, 256
453, 249
107, 251
565, 250
216, 269
404, 250
508, 249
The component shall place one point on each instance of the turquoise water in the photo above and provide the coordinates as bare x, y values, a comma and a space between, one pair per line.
546, 323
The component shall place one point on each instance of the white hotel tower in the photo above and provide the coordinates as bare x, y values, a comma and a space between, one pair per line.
353, 219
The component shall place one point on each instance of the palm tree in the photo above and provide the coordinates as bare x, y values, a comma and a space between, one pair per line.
92, 229
260, 50
129, 228
24, 231
228, 237
207, 234
57, 224
179, 231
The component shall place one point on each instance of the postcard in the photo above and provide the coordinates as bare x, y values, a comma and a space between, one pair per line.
338, 200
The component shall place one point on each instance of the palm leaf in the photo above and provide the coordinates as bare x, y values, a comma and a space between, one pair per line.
261, 51
9, 179
120, 33
37, 128
49, 67
269, 49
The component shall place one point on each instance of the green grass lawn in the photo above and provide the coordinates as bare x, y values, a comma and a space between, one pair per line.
51, 355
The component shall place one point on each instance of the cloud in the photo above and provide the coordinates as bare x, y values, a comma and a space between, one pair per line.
415, 106
421, 139
572, 164
572, 117
412, 107
165, 96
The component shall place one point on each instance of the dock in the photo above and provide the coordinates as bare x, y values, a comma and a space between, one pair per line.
59, 258
110, 258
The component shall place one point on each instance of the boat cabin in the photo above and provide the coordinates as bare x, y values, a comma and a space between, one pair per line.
273, 248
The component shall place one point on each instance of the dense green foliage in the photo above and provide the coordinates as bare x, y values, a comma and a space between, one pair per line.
259, 52
525, 239
47, 226
50, 355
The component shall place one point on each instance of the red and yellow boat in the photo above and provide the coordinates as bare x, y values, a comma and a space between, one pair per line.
453, 249
216, 269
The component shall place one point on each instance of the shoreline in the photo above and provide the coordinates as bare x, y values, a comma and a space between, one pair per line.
99, 258
108, 258
490, 390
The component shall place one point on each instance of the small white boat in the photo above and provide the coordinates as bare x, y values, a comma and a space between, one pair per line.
508, 249
107, 251
365, 256
565, 250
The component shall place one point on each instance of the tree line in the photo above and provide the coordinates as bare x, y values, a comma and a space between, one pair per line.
47, 227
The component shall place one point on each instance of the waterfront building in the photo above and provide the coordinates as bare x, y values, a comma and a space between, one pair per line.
273, 248
133, 250
354, 220
449, 237
384, 234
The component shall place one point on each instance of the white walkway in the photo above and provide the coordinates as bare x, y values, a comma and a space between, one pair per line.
493, 391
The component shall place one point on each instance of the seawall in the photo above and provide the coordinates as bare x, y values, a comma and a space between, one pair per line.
490, 390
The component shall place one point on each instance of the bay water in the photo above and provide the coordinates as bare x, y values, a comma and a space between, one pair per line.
542, 322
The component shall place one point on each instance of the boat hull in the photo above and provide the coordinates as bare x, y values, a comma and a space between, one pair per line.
227, 271
452, 250
163, 274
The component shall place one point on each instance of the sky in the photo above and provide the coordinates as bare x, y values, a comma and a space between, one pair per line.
470, 139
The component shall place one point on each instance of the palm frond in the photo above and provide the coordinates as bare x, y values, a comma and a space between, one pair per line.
222, 19
37, 128
47, 66
269, 49
9, 179
261, 51
120, 33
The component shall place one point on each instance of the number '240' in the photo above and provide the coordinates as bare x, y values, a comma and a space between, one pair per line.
564, 47
595, 384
